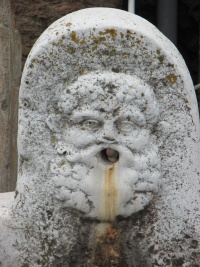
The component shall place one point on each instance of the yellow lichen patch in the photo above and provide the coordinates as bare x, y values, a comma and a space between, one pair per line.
99, 40
129, 35
186, 101
125, 55
128, 32
94, 48
158, 52
82, 42
32, 63
60, 41
53, 140
171, 78
161, 58
82, 72
74, 37
138, 41
111, 31
70, 50
68, 24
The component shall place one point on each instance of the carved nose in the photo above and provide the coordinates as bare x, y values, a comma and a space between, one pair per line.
108, 133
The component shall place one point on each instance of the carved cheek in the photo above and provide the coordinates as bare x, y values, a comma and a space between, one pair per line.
142, 139
79, 137
136, 140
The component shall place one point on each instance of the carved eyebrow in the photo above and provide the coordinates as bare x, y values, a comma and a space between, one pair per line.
137, 118
81, 116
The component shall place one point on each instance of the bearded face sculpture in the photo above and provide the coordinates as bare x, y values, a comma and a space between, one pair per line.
107, 162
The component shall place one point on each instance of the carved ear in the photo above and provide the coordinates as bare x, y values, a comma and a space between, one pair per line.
54, 123
163, 130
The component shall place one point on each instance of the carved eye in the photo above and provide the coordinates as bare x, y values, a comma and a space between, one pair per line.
126, 126
91, 124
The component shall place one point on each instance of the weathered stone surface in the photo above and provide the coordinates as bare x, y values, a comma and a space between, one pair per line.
108, 141
6, 200
33, 17
116, 123
10, 64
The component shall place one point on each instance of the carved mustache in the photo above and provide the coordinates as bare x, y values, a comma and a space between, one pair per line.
112, 152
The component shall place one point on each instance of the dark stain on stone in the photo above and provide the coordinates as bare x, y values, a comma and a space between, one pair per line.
194, 244
4, 105
107, 252
178, 262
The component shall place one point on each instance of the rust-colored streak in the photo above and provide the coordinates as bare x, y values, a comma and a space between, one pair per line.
107, 247
110, 194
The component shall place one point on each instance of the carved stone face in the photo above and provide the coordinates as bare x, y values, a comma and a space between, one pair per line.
107, 163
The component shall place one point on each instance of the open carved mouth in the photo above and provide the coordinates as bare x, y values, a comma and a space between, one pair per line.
109, 155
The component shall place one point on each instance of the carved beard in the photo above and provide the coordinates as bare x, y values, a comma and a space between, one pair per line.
86, 181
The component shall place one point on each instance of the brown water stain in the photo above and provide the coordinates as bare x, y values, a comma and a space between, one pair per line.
105, 239
109, 194
106, 250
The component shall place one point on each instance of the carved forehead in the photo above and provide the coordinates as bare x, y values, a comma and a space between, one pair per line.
108, 83
109, 91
